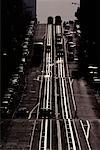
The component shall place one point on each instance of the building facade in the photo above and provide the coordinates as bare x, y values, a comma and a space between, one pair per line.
89, 29
30, 5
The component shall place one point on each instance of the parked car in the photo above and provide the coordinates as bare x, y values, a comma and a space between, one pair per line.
21, 69
70, 56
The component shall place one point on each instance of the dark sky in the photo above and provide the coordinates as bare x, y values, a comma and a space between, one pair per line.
64, 8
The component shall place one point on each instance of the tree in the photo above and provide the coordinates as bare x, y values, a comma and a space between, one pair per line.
77, 13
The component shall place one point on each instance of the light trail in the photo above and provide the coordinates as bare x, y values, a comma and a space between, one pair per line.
67, 121
56, 107
86, 137
47, 98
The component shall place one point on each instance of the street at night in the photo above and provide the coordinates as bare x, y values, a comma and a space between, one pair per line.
51, 100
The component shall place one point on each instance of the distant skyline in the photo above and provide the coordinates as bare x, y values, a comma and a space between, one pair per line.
64, 8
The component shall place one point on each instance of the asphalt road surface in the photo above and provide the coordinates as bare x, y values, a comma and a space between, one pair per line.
63, 112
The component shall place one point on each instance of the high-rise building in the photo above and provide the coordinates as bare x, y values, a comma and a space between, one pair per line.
89, 30
30, 5
15, 18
